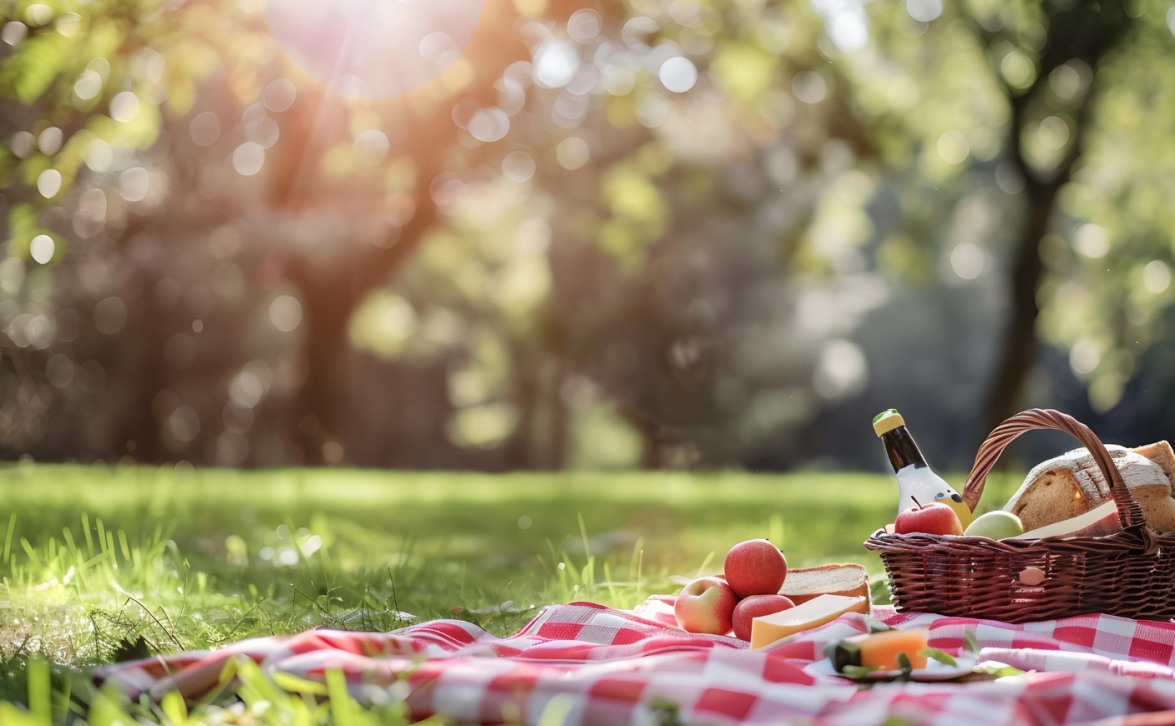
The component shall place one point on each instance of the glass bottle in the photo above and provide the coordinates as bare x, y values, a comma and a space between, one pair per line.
916, 480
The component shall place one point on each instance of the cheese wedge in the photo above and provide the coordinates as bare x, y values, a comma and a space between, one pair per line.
767, 629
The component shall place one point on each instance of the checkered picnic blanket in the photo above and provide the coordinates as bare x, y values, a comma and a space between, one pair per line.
587, 665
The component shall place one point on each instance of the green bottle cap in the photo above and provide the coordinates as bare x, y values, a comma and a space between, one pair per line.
887, 421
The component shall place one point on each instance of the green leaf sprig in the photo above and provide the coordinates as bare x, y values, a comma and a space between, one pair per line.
938, 655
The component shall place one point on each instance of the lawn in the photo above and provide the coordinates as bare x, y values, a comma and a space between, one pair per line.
94, 559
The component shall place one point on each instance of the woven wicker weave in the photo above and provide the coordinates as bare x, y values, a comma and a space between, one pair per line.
1129, 573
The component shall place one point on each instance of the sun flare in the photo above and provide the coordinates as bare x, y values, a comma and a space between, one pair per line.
374, 48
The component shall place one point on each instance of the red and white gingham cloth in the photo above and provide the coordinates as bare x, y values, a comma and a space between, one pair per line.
587, 665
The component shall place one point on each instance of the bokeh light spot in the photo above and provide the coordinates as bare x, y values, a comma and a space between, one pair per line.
438, 48
953, 147
101, 66
124, 106
1156, 276
285, 312
13, 32
555, 64
924, 11
968, 260
205, 129
678, 74
572, 153
332, 452
59, 371
809, 86
68, 24
98, 155
184, 424
489, 124
88, 86
50, 141
49, 183
1092, 241
38, 14
279, 94
41, 249
23, 144
248, 158
518, 166
686, 13
134, 183
1066, 81
110, 315
371, 146
1017, 69
584, 25
1084, 357
263, 131
842, 371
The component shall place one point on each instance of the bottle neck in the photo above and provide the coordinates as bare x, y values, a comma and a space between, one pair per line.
902, 450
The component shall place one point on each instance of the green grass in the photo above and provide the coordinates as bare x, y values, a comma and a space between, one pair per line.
94, 558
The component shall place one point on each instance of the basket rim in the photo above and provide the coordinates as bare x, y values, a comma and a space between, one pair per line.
919, 541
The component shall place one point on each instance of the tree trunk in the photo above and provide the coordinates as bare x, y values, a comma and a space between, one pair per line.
1020, 343
328, 299
327, 306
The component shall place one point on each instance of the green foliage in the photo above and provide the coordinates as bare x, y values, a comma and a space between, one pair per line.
943, 119
35, 65
745, 70
638, 215
22, 226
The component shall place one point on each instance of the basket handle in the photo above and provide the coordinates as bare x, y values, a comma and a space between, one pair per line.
1129, 513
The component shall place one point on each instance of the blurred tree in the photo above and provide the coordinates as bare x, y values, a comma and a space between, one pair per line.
95, 79
653, 224
643, 228
1050, 79
1063, 40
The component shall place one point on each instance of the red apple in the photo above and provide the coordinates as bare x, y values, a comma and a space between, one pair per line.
756, 606
706, 605
755, 567
933, 518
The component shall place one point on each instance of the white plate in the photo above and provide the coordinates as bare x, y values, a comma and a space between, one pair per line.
934, 671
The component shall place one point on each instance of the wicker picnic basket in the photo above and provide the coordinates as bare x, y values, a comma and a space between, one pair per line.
1130, 573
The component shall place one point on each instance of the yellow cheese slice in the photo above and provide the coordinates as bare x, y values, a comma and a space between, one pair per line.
767, 629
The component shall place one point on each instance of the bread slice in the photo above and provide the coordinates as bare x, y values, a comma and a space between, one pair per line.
1071, 485
1160, 453
806, 583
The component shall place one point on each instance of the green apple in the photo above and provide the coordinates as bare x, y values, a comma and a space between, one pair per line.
995, 525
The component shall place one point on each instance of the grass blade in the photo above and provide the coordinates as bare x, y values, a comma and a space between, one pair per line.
8, 537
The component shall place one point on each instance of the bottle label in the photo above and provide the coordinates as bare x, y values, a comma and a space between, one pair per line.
922, 484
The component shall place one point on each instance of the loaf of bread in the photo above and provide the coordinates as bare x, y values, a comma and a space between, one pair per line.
1071, 485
